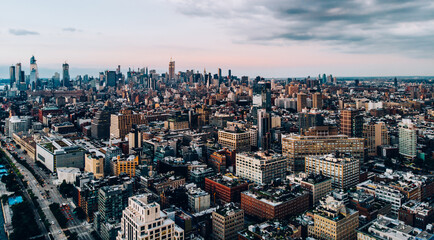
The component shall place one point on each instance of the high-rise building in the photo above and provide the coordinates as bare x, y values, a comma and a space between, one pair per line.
234, 139
121, 124
100, 126
110, 77
307, 120
297, 147
227, 221
334, 221
264, 129
407, 139
351, 123
65, 78
344, 171
317, 100
12, 76
111, 201
34, 75
18, 73
260, 167
171, 70
265, 95
143, 220
301, 101
376, 134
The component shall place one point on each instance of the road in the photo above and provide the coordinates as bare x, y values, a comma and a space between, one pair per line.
82, 228
37, 189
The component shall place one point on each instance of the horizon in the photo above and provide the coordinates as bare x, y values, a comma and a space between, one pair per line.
268, 38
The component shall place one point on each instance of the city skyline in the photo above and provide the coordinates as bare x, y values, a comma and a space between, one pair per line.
272, 39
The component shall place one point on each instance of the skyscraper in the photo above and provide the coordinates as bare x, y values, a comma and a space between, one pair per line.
12, 75
110, 77
301, 101
376, 134
171, 69
317, 100
18, 74
33, 71
66, 78
351, 123
265, 95
264, 128
407, 139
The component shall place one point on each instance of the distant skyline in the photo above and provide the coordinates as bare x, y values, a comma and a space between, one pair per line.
271, 38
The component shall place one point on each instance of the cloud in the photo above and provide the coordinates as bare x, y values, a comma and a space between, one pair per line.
22, 32
70, 29
357, 26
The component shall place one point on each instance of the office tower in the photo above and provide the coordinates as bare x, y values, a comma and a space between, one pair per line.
94, 163
264, 129
297, 147
265, 88
111, 201
351, 123
308, 120
12, 76
198, 199
171, 69
121, 123
19, 74
376, 134
65, 78
100, 126
234, 139
301, 101
344, 171
334, 221
143, 220
227, 221
260, 167
110, 77
33, 71
395, 82
407, 139
220, 76
317, 100
229, 74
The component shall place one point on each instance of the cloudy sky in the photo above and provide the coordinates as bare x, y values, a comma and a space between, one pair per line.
271, 38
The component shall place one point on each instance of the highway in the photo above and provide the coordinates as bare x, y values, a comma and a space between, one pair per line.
82, 228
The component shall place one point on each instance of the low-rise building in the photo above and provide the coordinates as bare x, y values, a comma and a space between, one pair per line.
333, 220
391, 229
225, 188
60, 153
267, 202
416, 214
198, 200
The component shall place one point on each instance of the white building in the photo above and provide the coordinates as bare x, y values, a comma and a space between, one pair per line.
260, 167
344, 171
67, 174
144, 221
16, 124
60, 153
407, 139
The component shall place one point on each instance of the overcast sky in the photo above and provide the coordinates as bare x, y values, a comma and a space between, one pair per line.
271, 38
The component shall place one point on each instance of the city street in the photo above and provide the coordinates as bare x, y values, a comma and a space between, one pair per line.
82, 228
